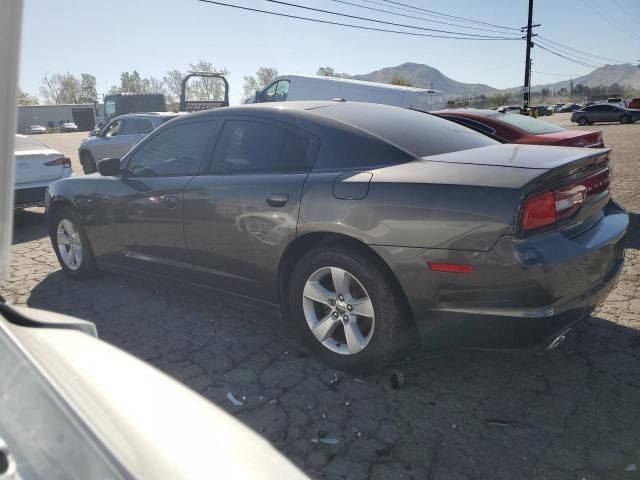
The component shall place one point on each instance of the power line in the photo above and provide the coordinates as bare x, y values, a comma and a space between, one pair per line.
424, 19
567, 58
560, 45
451, 16
359, 27
603, 14
356, 17
557, 74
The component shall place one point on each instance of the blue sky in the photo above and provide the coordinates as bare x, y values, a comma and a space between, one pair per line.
153, 36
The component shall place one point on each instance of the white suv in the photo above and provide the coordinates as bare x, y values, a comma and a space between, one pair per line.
118, 136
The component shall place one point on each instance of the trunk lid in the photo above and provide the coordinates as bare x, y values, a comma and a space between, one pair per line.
31, 166
575, 138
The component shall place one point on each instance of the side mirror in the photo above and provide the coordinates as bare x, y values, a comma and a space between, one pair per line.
109, 167
259, 97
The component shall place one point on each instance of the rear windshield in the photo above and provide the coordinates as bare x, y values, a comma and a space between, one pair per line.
419, 133
527, 124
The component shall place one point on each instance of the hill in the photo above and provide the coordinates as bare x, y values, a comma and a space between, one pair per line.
623, 74
424, 76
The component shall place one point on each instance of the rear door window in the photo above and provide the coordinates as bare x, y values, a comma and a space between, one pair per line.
253, 146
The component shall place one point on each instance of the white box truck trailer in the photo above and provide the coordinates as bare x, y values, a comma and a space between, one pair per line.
309, 87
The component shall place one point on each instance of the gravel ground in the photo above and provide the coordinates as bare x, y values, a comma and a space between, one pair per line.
573, 413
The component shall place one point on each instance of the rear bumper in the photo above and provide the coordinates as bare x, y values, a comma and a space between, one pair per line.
520, 294
29, 197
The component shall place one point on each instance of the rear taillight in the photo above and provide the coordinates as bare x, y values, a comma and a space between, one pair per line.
64, 161
549, 207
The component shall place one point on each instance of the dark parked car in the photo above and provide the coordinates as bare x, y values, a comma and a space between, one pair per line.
510, 128
541, 110
569, 107
605, 112
512, 109
362, 222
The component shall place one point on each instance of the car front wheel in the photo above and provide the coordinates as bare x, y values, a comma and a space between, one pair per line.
348, 311
71, 244
583, 121
625, 119
88, 163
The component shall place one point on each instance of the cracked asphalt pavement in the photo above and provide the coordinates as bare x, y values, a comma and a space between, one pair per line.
572, 413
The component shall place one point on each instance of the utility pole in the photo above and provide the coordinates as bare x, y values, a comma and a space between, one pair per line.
527, 63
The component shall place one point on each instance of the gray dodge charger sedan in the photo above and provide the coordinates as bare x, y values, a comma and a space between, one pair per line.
365, 224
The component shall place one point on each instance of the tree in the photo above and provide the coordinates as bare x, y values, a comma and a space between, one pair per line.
88, 91
330, 72
203, 88
264, 76
173, 83
545, 92
500, 99
60, 88
25, 99
399, 80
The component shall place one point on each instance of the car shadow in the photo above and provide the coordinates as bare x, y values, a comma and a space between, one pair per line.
633, 237
539, 413
29, 225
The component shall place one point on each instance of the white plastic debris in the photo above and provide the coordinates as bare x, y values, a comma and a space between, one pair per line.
329, 441
358, 380
335, 379
631, 468
234, 400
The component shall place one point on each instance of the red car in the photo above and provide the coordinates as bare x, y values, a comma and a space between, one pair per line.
514, 128
635, 103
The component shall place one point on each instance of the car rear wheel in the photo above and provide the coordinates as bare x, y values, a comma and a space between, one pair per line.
88, 163
625, 119
583, 121
346, 309
71, 244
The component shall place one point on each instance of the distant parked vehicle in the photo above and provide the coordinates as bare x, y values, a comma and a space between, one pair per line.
542, 110
557, 107
634, 103
569, 107
513, 128
123, 103
37, 166
35, 130
512, 109
118, 136
309, 87
605, 112
617, 101
68, 127
99, 126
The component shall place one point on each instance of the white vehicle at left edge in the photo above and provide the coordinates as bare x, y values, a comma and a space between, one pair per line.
37, 166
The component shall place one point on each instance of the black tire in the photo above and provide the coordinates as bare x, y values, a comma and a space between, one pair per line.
393, 326
583, 121
625, 119
87, 266
88, 163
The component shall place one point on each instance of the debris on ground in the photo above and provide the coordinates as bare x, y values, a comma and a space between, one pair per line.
234, 400
359, 380
631, 468
496, 422
332, 383
322, 434
356, 433
273, 401
397, 380
329, 441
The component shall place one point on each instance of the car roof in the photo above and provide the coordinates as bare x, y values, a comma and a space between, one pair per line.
476, 112
150, 114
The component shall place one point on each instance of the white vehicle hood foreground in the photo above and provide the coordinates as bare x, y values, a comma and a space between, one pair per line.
59, 384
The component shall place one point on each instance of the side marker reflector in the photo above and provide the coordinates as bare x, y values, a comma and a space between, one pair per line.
450, 267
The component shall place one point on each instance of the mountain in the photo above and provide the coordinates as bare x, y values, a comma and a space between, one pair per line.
424, 76
623, 74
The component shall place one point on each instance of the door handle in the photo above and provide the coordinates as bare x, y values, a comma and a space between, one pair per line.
277, 199
169, 201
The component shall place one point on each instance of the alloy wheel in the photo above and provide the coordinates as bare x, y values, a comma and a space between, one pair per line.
338, 310
69, 244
